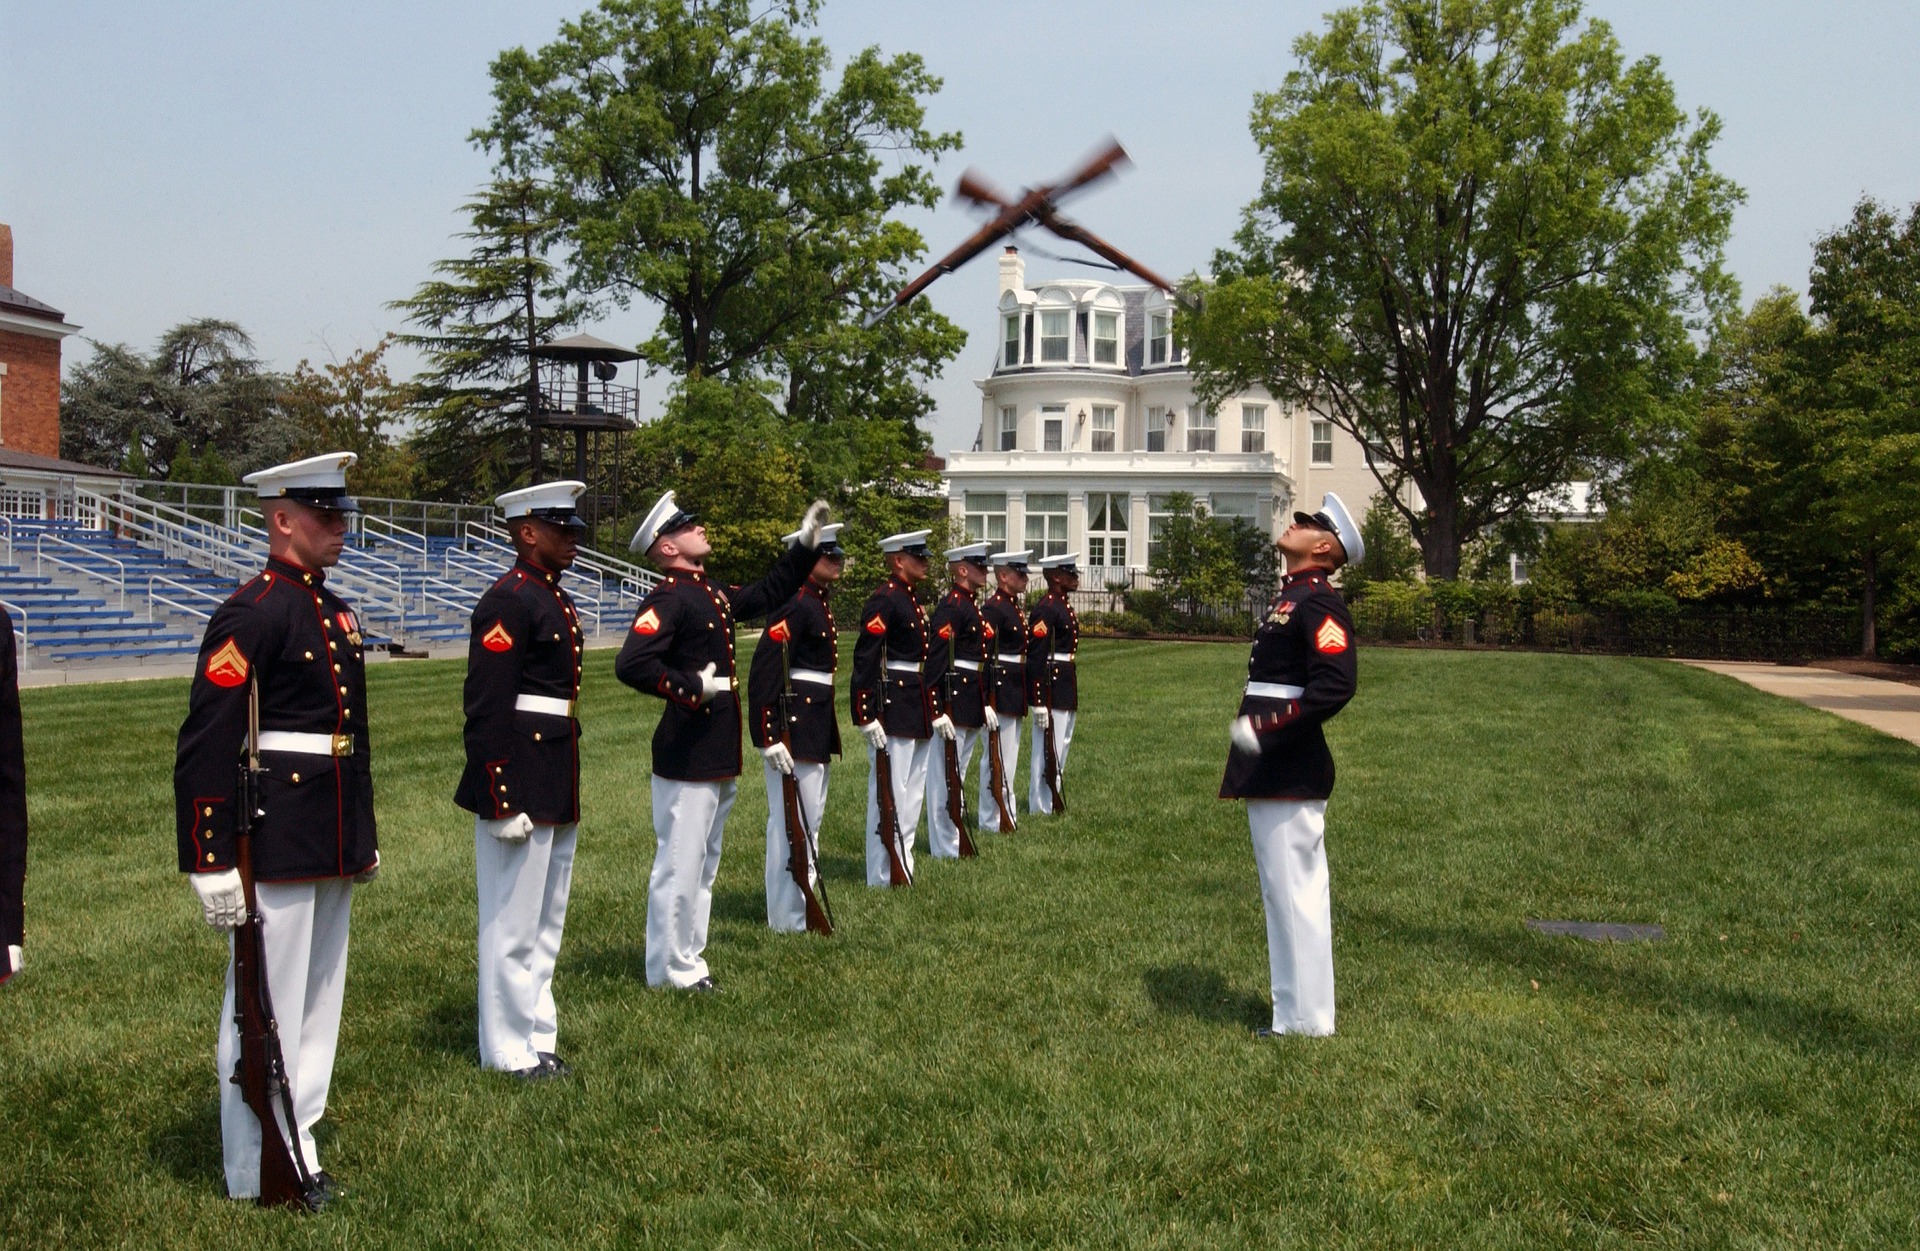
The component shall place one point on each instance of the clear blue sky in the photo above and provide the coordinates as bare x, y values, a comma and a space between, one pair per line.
294, 166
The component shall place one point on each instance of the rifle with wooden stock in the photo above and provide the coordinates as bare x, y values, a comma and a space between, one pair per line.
803, 853
897, 872
996, 760
956, 783
262, 1071
1052, 751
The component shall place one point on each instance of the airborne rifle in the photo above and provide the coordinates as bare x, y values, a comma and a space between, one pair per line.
1052, 753
956, 783
262, 1073
803, 853
897, 872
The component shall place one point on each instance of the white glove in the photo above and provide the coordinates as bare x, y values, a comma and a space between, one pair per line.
710, 685
875, 734
811, 523
369, 873
943, 726
1244, 739
778, 756
513, 829
1042, 718
16, 959
222, 900
993, 719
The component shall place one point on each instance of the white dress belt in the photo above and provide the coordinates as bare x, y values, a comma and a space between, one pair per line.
548, 704
1275, 690
307, 744
811, 675
904, 666
1061, 660
971, 666
1013, 658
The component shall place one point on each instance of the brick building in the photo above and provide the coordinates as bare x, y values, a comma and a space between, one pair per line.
30, 335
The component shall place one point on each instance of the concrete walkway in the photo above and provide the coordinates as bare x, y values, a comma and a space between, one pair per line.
1889, 707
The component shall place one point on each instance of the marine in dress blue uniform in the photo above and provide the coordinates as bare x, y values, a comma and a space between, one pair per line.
957, 621
1053, 686
1301, 672
680, 650
891, 704
799, 644
522, 777
1006, 678
13, 806
287, 632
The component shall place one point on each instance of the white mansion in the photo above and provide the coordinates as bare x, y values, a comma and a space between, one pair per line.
1089, 421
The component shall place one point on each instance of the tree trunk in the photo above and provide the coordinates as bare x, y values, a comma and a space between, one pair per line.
1440, 545
1869, 643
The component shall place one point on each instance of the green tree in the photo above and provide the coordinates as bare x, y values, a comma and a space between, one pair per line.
1196, 557
202, 389
354, 405
1481, 247
477, 322
1392, 555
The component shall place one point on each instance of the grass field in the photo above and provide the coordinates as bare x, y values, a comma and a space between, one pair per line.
1049, 1046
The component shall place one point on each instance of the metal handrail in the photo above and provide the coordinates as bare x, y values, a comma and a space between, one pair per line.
6, 536
607, 567
13, 609
155, 597
406, 538
40, 557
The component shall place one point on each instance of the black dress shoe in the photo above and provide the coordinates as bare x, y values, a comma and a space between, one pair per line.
554, 1065
1267, 1031
532, 1073
705, 986
329, 1188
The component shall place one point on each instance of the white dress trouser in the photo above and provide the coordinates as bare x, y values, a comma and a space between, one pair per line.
786, 906
943, 837
1289, 847
304, 925
523, 909
1009, 733
689, 819
1039, 798
909, 758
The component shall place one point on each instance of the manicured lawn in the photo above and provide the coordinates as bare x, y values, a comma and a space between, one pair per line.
1049, 1046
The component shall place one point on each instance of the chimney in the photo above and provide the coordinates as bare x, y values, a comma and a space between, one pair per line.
6, 255
1013, 270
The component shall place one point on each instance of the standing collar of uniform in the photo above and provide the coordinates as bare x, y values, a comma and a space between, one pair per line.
296, 571
894, 579
547, 576
821, 593
1300, 575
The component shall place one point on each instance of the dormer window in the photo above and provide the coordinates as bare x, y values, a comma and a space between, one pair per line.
1056, 335
1011, 351
1159, 338
1106, 338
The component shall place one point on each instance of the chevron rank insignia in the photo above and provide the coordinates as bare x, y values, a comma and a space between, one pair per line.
228, 665
647, 622
946, 631
875, 625
779, 632
1330, 638
1040, 630
497, 639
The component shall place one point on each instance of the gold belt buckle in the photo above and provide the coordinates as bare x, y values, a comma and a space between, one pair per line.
573, 708
343, 745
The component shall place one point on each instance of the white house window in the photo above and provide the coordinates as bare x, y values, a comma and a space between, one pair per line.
1253, 427
1157, 516
1159, 338
1104, 427
1055, 335
1203, 428
29, 502
1053, 426
1106, 338
1047, 525
1322, 436
1158, 423
1107, 528
1009, 432
987, 518
1231, 504
1011, 352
